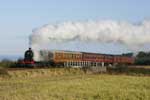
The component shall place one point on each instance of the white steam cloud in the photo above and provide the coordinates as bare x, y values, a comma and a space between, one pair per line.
133, 36
128, 34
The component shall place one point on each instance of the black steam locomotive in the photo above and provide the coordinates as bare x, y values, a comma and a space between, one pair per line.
28, 59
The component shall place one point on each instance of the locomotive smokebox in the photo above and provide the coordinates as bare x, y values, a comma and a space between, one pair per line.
29, 55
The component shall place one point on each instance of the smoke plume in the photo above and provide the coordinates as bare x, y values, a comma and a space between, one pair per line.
131, 35
103, 31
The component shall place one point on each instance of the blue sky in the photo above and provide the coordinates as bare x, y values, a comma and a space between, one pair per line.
19, 17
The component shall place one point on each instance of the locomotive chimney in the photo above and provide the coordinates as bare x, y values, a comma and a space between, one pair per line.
29, 48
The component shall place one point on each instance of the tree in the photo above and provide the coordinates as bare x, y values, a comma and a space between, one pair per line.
143, 58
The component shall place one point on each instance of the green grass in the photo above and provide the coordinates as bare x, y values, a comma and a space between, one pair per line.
72, 84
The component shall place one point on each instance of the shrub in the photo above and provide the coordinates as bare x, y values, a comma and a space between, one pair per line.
5, 63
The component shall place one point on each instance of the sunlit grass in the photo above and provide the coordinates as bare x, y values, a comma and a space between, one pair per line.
72, 84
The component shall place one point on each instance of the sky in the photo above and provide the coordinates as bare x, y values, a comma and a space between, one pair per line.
19, 17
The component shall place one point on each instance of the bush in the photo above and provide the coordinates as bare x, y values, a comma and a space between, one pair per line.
142, 58
5, 63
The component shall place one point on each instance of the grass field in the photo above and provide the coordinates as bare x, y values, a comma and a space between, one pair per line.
72, 84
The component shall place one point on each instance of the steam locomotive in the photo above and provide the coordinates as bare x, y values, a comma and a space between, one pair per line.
60, 58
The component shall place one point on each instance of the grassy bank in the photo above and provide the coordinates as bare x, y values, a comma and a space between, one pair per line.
72, 84
130, 70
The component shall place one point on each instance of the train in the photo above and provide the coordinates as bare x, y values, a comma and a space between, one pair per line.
62, 58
